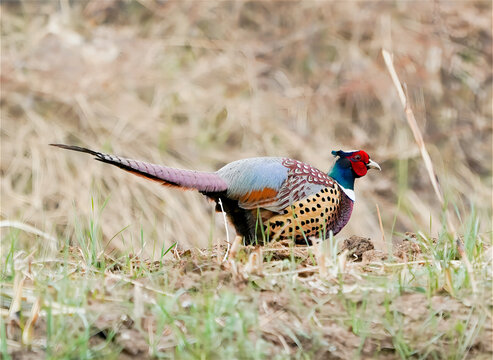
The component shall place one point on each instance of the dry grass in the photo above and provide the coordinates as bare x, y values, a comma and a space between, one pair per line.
301, 302
197, 85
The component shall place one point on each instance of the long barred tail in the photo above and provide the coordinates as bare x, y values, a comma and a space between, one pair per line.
201, 181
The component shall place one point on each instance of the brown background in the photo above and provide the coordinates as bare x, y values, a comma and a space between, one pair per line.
199, 84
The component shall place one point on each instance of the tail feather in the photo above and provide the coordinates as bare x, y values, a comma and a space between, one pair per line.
189, 179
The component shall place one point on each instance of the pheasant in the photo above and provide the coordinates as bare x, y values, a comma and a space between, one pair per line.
267, 198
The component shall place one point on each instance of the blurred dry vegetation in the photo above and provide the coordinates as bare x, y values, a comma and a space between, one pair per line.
198, 84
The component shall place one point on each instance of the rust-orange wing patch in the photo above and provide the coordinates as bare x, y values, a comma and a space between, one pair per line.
258, 197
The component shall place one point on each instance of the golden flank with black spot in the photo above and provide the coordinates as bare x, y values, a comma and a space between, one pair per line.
312, 216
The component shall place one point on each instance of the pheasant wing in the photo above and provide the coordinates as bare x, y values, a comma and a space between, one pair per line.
272, 183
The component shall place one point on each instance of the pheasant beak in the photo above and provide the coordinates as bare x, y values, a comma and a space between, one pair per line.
373, 165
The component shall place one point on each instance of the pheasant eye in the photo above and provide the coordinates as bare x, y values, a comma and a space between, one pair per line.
357, 157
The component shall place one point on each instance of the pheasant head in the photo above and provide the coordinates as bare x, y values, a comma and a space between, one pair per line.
351, 165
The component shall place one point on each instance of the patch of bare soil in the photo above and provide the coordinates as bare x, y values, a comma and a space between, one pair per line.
407, 249
27, 355
356, 246
362, 249
371, 256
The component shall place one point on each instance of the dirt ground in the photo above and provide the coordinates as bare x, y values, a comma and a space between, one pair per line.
293, 318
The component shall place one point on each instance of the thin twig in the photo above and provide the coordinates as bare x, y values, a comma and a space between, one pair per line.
15, 306
226, 228
136, 283
413, 124
380, 223
294, 272
427, 160
28, 228
27, 333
